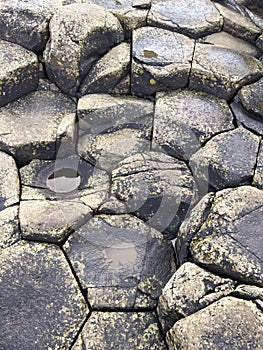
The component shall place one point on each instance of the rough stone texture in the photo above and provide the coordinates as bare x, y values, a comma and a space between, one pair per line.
37, 124
195, 18
107, 150
26, 22
136, 331
230, 159
230, 240
157, 188
9, 181
232, 42
238, 23
248, 292
19, 71
259, 42
121, 262
80, 33
190, 289
258, 176
108, 71
222, 71
112, 128
99, 113
251, 97
40, 300
190, 226
228, 324
161, 60
245, 118
185, 119
9, 229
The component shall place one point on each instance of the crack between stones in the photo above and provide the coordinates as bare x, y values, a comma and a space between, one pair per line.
256, 164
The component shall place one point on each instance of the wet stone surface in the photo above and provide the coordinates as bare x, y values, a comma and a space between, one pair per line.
45, 296
131, 174
121, 262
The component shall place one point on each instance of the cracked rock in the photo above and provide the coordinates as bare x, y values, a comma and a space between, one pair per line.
161, 60
184, 120
237, 23
251, 98
248, 292
80, 34
157, 188
107, 150
227, 159
9, 228
230, 240
137, 331
59, 196
190, 289
9, 181
193, 18
245, 118
222, 71
41, 303
26, 22
112, 128
108, 72
19, 72
227, 324
38, 125
232, 42
258, 176
120, 262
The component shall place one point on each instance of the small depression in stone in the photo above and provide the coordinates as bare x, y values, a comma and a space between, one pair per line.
149, 54
121, 254
64, 180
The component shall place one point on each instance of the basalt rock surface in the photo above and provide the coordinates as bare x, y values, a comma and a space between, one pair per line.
131, 182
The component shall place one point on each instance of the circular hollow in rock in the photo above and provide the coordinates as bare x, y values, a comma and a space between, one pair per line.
64, 180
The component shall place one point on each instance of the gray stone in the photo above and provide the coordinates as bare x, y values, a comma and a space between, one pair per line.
51, 221
80, 34
228, 324
130, 15
142, 3
26, 22
230, 240
99, 113
41, 303
190, 226
36, 125
19, 72
9, 181
157, 188
228, 159
123, 87
232, 42
259, 42
255, 12
185, 119
248, 292
108, 71
9, 229
161, 60
136, 331
194, 18
245, 118
222, 71
238, 23
251, 97
107, 150
119, 260
190, 289
258, 176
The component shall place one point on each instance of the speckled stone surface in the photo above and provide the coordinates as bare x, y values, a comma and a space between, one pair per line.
131, 175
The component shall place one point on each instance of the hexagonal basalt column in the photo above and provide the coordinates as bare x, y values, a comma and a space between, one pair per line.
121, 262
161, 60
41, 304
19, 72
59, 196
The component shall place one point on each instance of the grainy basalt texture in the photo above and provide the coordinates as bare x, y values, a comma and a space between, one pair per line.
131, 174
